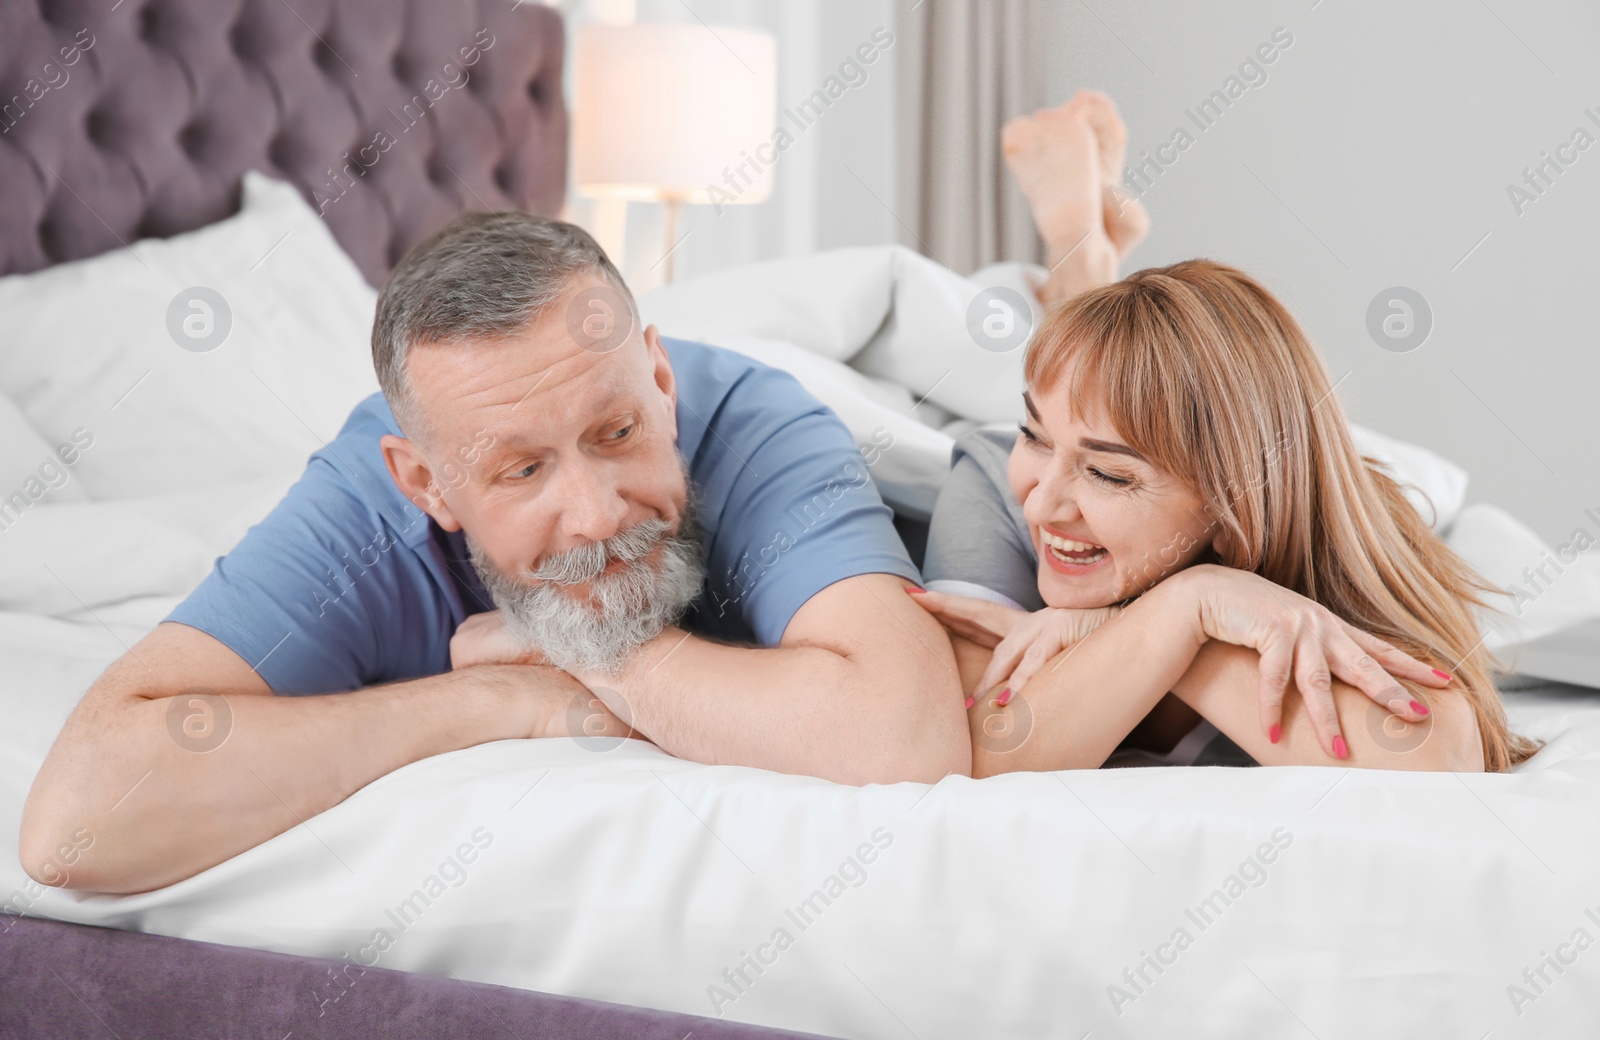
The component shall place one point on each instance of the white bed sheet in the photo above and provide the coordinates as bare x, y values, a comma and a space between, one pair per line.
1401, 904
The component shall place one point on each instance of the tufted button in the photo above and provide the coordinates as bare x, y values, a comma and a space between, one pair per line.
502, 178
438, 172
149, 23
395, 251
150, 226
326, 58
100, 128
282, 152
192, 138
243, 42
60, 16
49, 240
401, 68
536, 92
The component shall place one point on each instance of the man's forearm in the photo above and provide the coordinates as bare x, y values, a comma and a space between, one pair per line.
793, 709
153, 805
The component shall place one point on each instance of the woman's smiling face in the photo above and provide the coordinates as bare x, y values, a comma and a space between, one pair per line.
1106, 522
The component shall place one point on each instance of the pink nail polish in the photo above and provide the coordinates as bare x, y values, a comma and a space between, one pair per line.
1443, 675
1339, 748
970, 702
1419, 707
1275, 732
1004, 698
915, 591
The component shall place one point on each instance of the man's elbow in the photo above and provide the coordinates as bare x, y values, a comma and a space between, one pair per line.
77, 858
931, 768
922, 750
65, 843
893, 766
50, 852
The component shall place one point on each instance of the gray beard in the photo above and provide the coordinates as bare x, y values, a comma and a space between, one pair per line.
624, 610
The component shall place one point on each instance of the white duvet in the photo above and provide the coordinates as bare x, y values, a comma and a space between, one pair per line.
1141, 902
1134, 902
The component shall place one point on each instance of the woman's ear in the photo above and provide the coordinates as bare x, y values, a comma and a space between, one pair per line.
1221, 541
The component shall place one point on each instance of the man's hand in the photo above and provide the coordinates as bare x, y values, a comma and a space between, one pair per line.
861, 689
574, 711
583, 712
485, 639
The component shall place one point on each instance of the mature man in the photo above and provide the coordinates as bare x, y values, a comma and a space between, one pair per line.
672, 533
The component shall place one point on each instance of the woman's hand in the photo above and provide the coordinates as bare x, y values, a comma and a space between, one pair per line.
1022, 642
1034, 642
1302, 640
979, 620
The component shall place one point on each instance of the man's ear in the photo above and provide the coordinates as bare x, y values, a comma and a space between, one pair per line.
666, 382
415, 479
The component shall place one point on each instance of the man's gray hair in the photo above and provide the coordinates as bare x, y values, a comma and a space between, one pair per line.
485, 275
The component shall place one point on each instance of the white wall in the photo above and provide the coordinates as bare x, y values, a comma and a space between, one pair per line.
1378, 153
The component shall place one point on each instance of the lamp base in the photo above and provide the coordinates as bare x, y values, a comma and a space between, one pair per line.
671, 239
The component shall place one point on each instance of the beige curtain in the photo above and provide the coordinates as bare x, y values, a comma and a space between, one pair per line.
963, 67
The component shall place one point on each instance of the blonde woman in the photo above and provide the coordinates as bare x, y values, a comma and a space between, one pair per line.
1185, 479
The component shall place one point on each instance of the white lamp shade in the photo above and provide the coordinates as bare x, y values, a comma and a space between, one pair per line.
668, 111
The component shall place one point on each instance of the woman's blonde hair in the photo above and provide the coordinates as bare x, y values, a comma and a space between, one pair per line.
1208, 376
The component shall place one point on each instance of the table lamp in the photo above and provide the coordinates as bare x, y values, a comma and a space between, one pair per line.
674, 113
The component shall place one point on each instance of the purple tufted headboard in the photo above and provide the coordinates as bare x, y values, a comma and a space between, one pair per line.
129, 119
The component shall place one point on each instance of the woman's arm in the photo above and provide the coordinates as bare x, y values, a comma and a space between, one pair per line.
1076, 711
1223, 683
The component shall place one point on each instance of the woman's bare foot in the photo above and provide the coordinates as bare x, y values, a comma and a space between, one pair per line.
1054, 155
1125, 218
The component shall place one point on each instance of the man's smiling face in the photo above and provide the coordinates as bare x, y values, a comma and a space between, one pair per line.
537, 445
560, 463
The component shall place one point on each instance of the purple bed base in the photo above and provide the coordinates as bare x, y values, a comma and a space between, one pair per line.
138, 119
68, 980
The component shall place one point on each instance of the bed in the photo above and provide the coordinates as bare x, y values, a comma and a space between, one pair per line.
591, 888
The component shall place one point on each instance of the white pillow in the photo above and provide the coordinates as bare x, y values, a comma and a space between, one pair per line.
829, 303
89, 346
104, 553
908, 459
1435, 485
929, 340
31, 466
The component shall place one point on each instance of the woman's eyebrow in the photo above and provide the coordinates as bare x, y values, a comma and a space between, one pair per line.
1112, 447
1027, 402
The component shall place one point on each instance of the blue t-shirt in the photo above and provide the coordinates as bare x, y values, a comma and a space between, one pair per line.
347, 583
